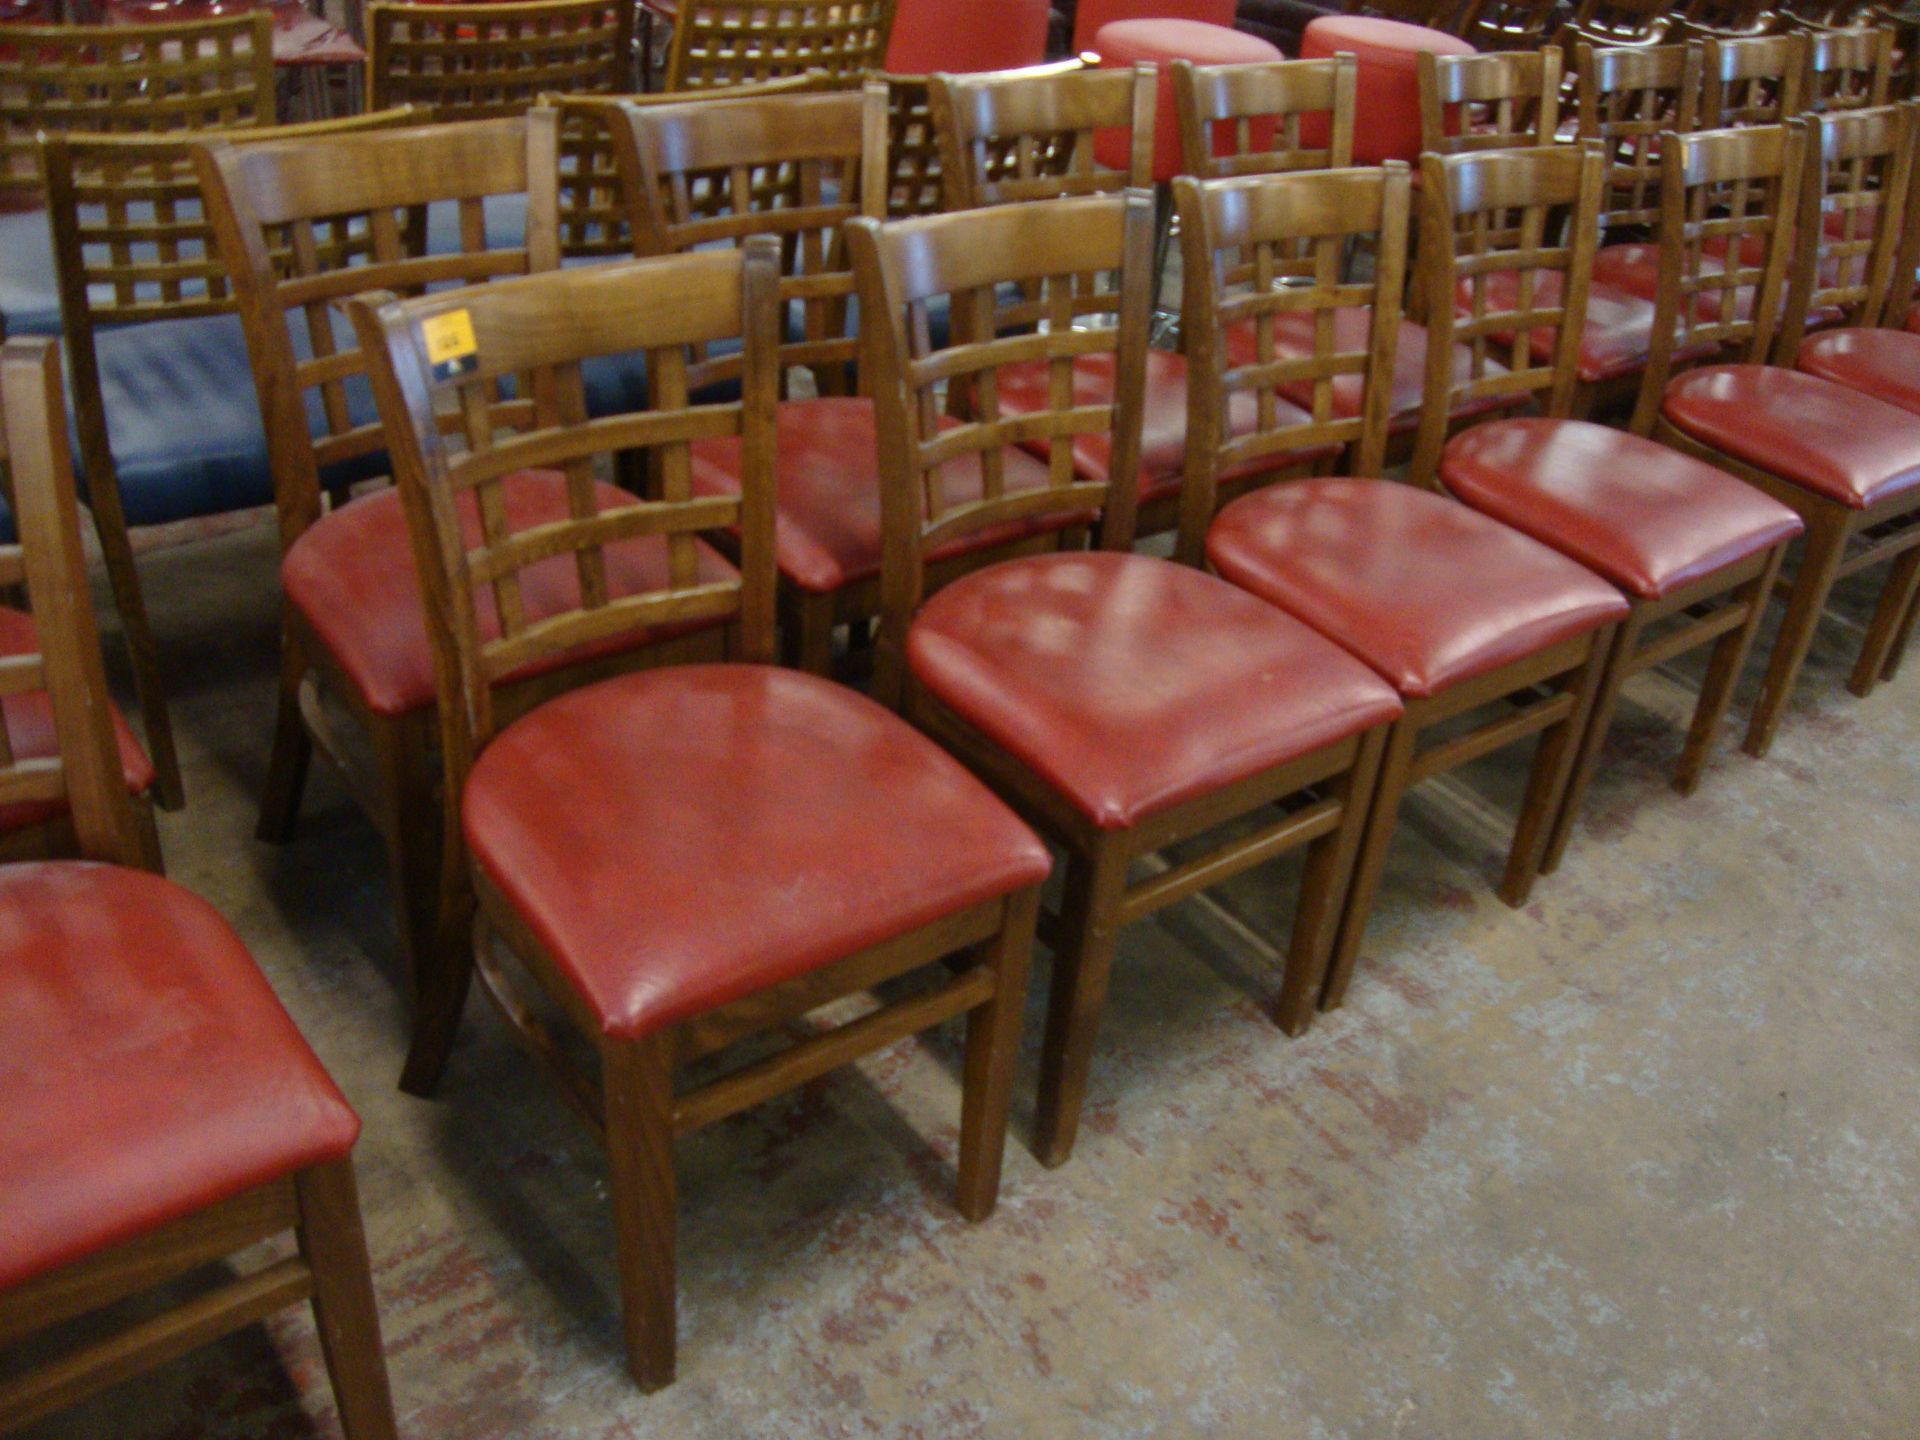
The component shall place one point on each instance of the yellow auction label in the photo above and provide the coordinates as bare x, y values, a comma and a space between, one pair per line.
451, 348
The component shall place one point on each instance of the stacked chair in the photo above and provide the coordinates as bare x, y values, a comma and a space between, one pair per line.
799, 360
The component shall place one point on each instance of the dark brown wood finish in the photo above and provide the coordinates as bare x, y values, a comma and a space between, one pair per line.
1050, 249
748, 42
1010, 136
486, 61
1756, 80
1848, 69
317, 1205
1253, 112
674, 309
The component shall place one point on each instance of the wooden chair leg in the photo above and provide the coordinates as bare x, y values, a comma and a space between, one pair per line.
1825, 545
1555, 786
993, 1050
343, 1306
638, 1080
1382, 818
1902, 636
813, 640
1728, 659
1891, 616
403, 761
1592, 742
1324, 883
148, 835
292, 752
116, 546
1096, 883
441, 988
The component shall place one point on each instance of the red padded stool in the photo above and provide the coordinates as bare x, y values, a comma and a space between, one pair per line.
962, 36
1388, 99
1126, 43
1089, 16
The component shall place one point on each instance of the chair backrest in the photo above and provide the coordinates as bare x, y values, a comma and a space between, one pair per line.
1493, 226
748, 42
1728, 17
1727, 206
1247, 119
1623, 22
1010, 136
1758, 80
913, 142
593, 209
1488, 102
126, 80
1260, 251
1848, 69
451, 455
1049, 248
1853, 200
304, 224
66, 675
713, 172
483, 61
1628, 97
1500, 25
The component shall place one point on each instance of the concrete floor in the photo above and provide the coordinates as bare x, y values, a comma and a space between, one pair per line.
1639, 1160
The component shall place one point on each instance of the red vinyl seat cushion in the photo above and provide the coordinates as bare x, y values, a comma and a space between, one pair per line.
146, 1069
1163, 431
1426, 590
1618, 336
680, 838
1158, 41
1293, 337
1824, 437
827, 525
352, 576
1636, 270
1641, 514
29, 722
1882, 363
1131, 684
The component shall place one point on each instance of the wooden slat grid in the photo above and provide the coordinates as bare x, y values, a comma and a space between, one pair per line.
1627, 99
476, 62
745, 42
128, 79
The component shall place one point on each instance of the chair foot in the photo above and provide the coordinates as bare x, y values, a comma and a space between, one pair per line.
290, 758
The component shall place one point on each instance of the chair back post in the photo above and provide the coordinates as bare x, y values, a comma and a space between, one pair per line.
1246, 242
304, 224
1492, 213
1238, 103
1859, 165
545, 326
747, 42
1894, 307
1521, 88
1046, 248
1754, 80
1009, 136
49, 559
1628, 97
1723, 186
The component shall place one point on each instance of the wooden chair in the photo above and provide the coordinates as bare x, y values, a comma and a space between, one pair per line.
1257, 119
748, 42
1461, 614
353, 218
913, 140
1488, 102
127, 79
1623, 22
1506, 25
1848, 69
1847, 463
694, 856
1119, 701
486, 61
1755, 81
131, 248
140, 1149
1726, 19
1694, 550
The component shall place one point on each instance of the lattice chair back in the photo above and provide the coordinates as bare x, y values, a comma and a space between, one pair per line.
1756, 80
486, 61
748, 42
1010, 136
1628, 98
1266, 119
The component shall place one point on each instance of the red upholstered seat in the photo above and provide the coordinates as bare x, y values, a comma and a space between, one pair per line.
352, 576
933, 35
1387, 113
1091, 16
1881, 363
1122, 44
29, 722
1641, 514
1424, 589
147, 1071
1163, 431
1131, 684
680, 838
1836, 442
1293, 336
1618, 335
827, 527
1636, 270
